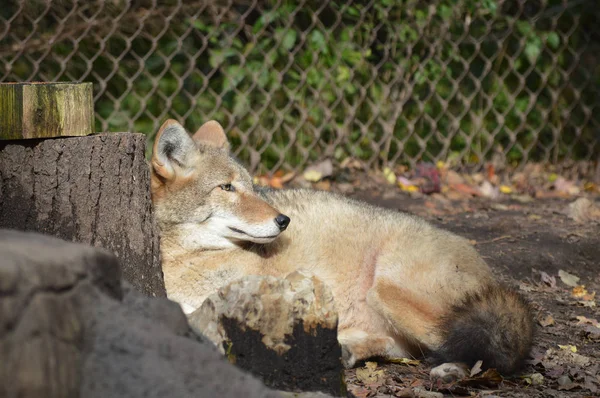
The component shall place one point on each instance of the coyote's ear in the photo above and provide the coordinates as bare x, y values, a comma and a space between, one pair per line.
173, 150
211, 133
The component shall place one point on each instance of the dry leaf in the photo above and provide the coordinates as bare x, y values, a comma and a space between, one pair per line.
476, 368
359, 391
488, 190
522, 286
405, 361
546, 321
582, 293
288, 177
547, 279
583, 210
564, 186
579, 291
567, 278
505, 189
535, 379
312, 175
490, 378
318, 171
370, 374
568, 347
389, 175
588, 304
583, 320
407, 185
592, 332
465, 189
555, 358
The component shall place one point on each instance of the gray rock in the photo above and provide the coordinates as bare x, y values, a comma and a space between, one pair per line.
282, 330
69, 328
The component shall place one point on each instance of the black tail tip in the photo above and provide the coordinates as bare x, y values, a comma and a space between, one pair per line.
494, 325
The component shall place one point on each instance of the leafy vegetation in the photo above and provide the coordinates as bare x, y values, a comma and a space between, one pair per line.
384, 81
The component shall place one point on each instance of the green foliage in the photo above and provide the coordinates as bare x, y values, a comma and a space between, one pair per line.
391, 79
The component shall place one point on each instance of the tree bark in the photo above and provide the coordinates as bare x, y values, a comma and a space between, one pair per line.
45, 110
92, 190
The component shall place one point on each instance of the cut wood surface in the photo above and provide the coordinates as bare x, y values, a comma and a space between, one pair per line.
44, 110
92, 190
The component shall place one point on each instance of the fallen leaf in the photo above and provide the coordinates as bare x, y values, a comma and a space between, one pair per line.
546, 321
476, 368
370, 374
555, 358
535, 379
579, 291
565, 383
488, 190
453, 178
405, 393
276, 183
522, 198
555, 372
405, 361
352, 163
389, 175
583, 320
465, 189
318, 171
323, 185
359, 391
547, 279
288, 177
522, 286
589, 296
590, 187
583, 210
565, 186
588, 304
407, 185
582, 293
505, 189
490, 378
312, 175
568, 347
568, 279
592, 332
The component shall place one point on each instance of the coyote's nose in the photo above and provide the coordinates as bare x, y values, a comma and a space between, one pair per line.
282, 221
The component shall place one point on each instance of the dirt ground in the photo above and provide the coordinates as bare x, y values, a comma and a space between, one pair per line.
528, 245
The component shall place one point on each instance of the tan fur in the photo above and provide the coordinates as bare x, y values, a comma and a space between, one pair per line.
393, 275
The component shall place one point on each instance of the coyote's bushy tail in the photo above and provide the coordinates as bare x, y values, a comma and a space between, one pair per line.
493, 325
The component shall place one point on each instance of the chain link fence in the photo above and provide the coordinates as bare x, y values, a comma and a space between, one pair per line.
294, 82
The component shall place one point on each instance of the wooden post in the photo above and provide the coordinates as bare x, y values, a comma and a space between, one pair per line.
44, 110
92, 190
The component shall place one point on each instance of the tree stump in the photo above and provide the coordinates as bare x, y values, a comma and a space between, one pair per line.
44, 110
92, 190
283, 331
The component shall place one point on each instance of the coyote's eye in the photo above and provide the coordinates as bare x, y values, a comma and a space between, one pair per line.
227, 187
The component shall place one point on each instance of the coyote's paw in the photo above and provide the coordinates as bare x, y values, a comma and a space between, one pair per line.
348, 358
449, 372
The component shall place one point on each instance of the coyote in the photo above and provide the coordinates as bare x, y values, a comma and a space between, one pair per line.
402, 287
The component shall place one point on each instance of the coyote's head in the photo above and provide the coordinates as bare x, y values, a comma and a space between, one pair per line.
202, 196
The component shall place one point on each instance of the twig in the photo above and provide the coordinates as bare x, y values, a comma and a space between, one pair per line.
494, 240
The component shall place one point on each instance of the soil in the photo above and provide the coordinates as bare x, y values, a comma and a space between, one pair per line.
526, 244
